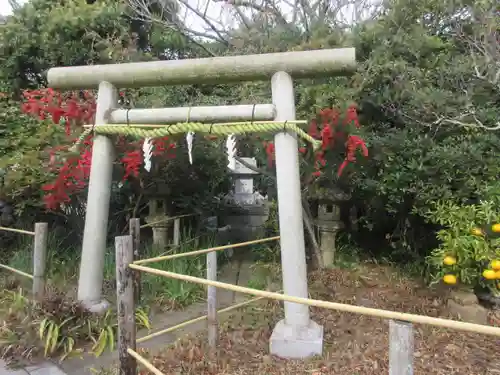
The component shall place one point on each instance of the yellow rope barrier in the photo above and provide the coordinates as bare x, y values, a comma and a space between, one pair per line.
16, 271
165, 220
144, 362
196, 320
22, 231
149, 131
204, 251
386, 314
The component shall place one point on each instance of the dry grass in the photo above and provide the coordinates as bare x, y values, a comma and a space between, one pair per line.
354, 344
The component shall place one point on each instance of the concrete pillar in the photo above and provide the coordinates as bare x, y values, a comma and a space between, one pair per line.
296, 336
96, 218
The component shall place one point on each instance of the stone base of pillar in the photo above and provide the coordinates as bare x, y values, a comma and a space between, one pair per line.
289, 341
96, 307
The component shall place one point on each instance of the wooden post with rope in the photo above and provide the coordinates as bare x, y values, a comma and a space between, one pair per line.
125, 304
212, 324
135, 233
39, 260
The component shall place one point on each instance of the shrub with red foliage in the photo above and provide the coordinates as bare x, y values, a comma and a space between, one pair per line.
74, 110
332, 132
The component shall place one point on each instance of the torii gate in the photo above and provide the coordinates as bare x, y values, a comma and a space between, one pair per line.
296, 336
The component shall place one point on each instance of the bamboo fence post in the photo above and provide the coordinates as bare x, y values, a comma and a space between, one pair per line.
177, 232
135, 232
126, 307
39, 260
212, 300
400, 348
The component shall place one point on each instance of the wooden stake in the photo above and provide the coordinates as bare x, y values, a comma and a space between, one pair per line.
125, 303
39, 260
177, 232
212, 300
135, 232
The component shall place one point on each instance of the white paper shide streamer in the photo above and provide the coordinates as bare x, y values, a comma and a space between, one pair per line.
189, 141
147, 150
231, 151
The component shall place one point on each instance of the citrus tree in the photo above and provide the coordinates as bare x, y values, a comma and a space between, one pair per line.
469, 250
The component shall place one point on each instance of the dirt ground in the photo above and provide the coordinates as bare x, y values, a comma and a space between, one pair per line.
354, 344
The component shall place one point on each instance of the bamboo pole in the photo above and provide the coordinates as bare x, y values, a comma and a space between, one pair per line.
40, 260
205, 251
135, 232
385, 314
22, 231
16, 271
212, 325
196, 320
139, 358
125, 304
165, 220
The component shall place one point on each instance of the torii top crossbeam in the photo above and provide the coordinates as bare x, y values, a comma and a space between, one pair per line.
302, 64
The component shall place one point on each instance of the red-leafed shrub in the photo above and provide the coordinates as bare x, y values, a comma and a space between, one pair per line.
335, 133
73, 110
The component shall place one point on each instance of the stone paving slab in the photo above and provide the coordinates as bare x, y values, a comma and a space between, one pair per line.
44, 368
4, 370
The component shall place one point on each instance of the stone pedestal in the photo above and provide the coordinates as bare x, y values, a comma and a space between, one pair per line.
328, 223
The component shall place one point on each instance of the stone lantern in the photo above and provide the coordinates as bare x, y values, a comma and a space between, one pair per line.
158, 220
244, 210
328, 221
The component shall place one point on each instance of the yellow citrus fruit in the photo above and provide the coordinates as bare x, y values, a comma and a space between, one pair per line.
495, 228
450, 279
495, 264
449, 260
497, 275
489, 274
477, 232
